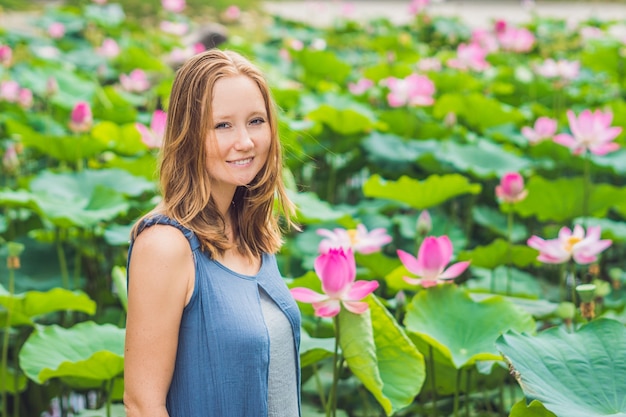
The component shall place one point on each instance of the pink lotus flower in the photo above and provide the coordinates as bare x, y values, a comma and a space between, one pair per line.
511, 188
25, 98
361, 86
56, 30
296, 44
433, 256
231, 14
174, 28
52, 86
108, 49
417, 6
100, 2
485, 39
583, 249
135, 82
153, 136
590, 131
429, 64
348, 9
469, 56
10, 160
590, 32
9, 91
81, 118
6, 55
174, 6
544, 129
414, 90
337, 271
359, 239
561, 69
516, 39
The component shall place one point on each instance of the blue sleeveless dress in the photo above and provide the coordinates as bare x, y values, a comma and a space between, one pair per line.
222, 361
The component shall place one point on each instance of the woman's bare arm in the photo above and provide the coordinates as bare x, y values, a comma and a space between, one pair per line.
161, 279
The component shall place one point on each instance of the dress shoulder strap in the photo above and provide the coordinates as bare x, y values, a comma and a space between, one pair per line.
194, 242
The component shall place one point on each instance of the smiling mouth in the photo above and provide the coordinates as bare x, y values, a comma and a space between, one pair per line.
241, 161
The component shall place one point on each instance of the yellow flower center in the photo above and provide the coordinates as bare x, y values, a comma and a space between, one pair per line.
353, 237
571, 241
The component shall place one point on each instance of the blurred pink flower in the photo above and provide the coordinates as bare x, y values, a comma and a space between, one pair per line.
511, 188
544, 129
486, 39
318, 44
231, 14
429, 64
25, 98
153, 136
562, 69
9, 91
590, 32
81, 118
108, 49
418, 6
348, 9
469, 56
174, 28
6, 55
361, 86
51, 86
359, 239
432, 258
414, 90
56, 30
100, 2
337, 271
583, 249
135, 82
590, 131
516, 39
174, 6
296, 44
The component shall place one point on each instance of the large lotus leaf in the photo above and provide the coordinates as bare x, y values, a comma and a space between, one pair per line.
381, 356
120, 284
139, 57
108, 15
28, 306
315, 349
463, 329
322, 65
602, 55
62, 148
84, 356
390, 149
17, 198
122, 139
534, 409
496, 281
144, 166
112, 105
14, 382
614, 160
497, 222
499, 253
378, 263
479, 111
581, 374
433, 191
117, 410
482, 158
342, 121
562, 199
310, 209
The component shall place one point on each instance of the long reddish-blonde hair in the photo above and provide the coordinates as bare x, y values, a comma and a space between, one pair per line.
184, 180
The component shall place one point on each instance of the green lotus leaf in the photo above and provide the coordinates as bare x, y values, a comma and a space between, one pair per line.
497, 222
580, 374
144, 166
534, 409
14, 382
121, 287
482, 158
28, 306
62, 148
311, 209
562, 199
463, 329
522, 284
381, 356
84, 356
342, 121
323, 65
108, 15
498, 253
315, 349
122, 139
433, 191
479, 111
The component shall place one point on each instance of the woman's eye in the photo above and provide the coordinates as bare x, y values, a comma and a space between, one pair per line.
257, 121
221, 125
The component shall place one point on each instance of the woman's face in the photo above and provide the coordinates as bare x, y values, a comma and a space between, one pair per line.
239, 140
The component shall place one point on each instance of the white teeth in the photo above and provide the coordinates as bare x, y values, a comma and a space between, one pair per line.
242, 161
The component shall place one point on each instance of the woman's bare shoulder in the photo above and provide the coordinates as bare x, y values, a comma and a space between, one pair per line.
162, 243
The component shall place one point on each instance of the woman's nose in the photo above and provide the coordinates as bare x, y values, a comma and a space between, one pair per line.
244, 140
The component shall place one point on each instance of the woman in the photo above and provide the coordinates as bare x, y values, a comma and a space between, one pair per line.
212, 329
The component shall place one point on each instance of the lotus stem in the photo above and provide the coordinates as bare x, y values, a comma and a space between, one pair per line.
433, 383
509, 251
5, 338
65, 276
586, 187
467, 392
457, 393
331, 405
